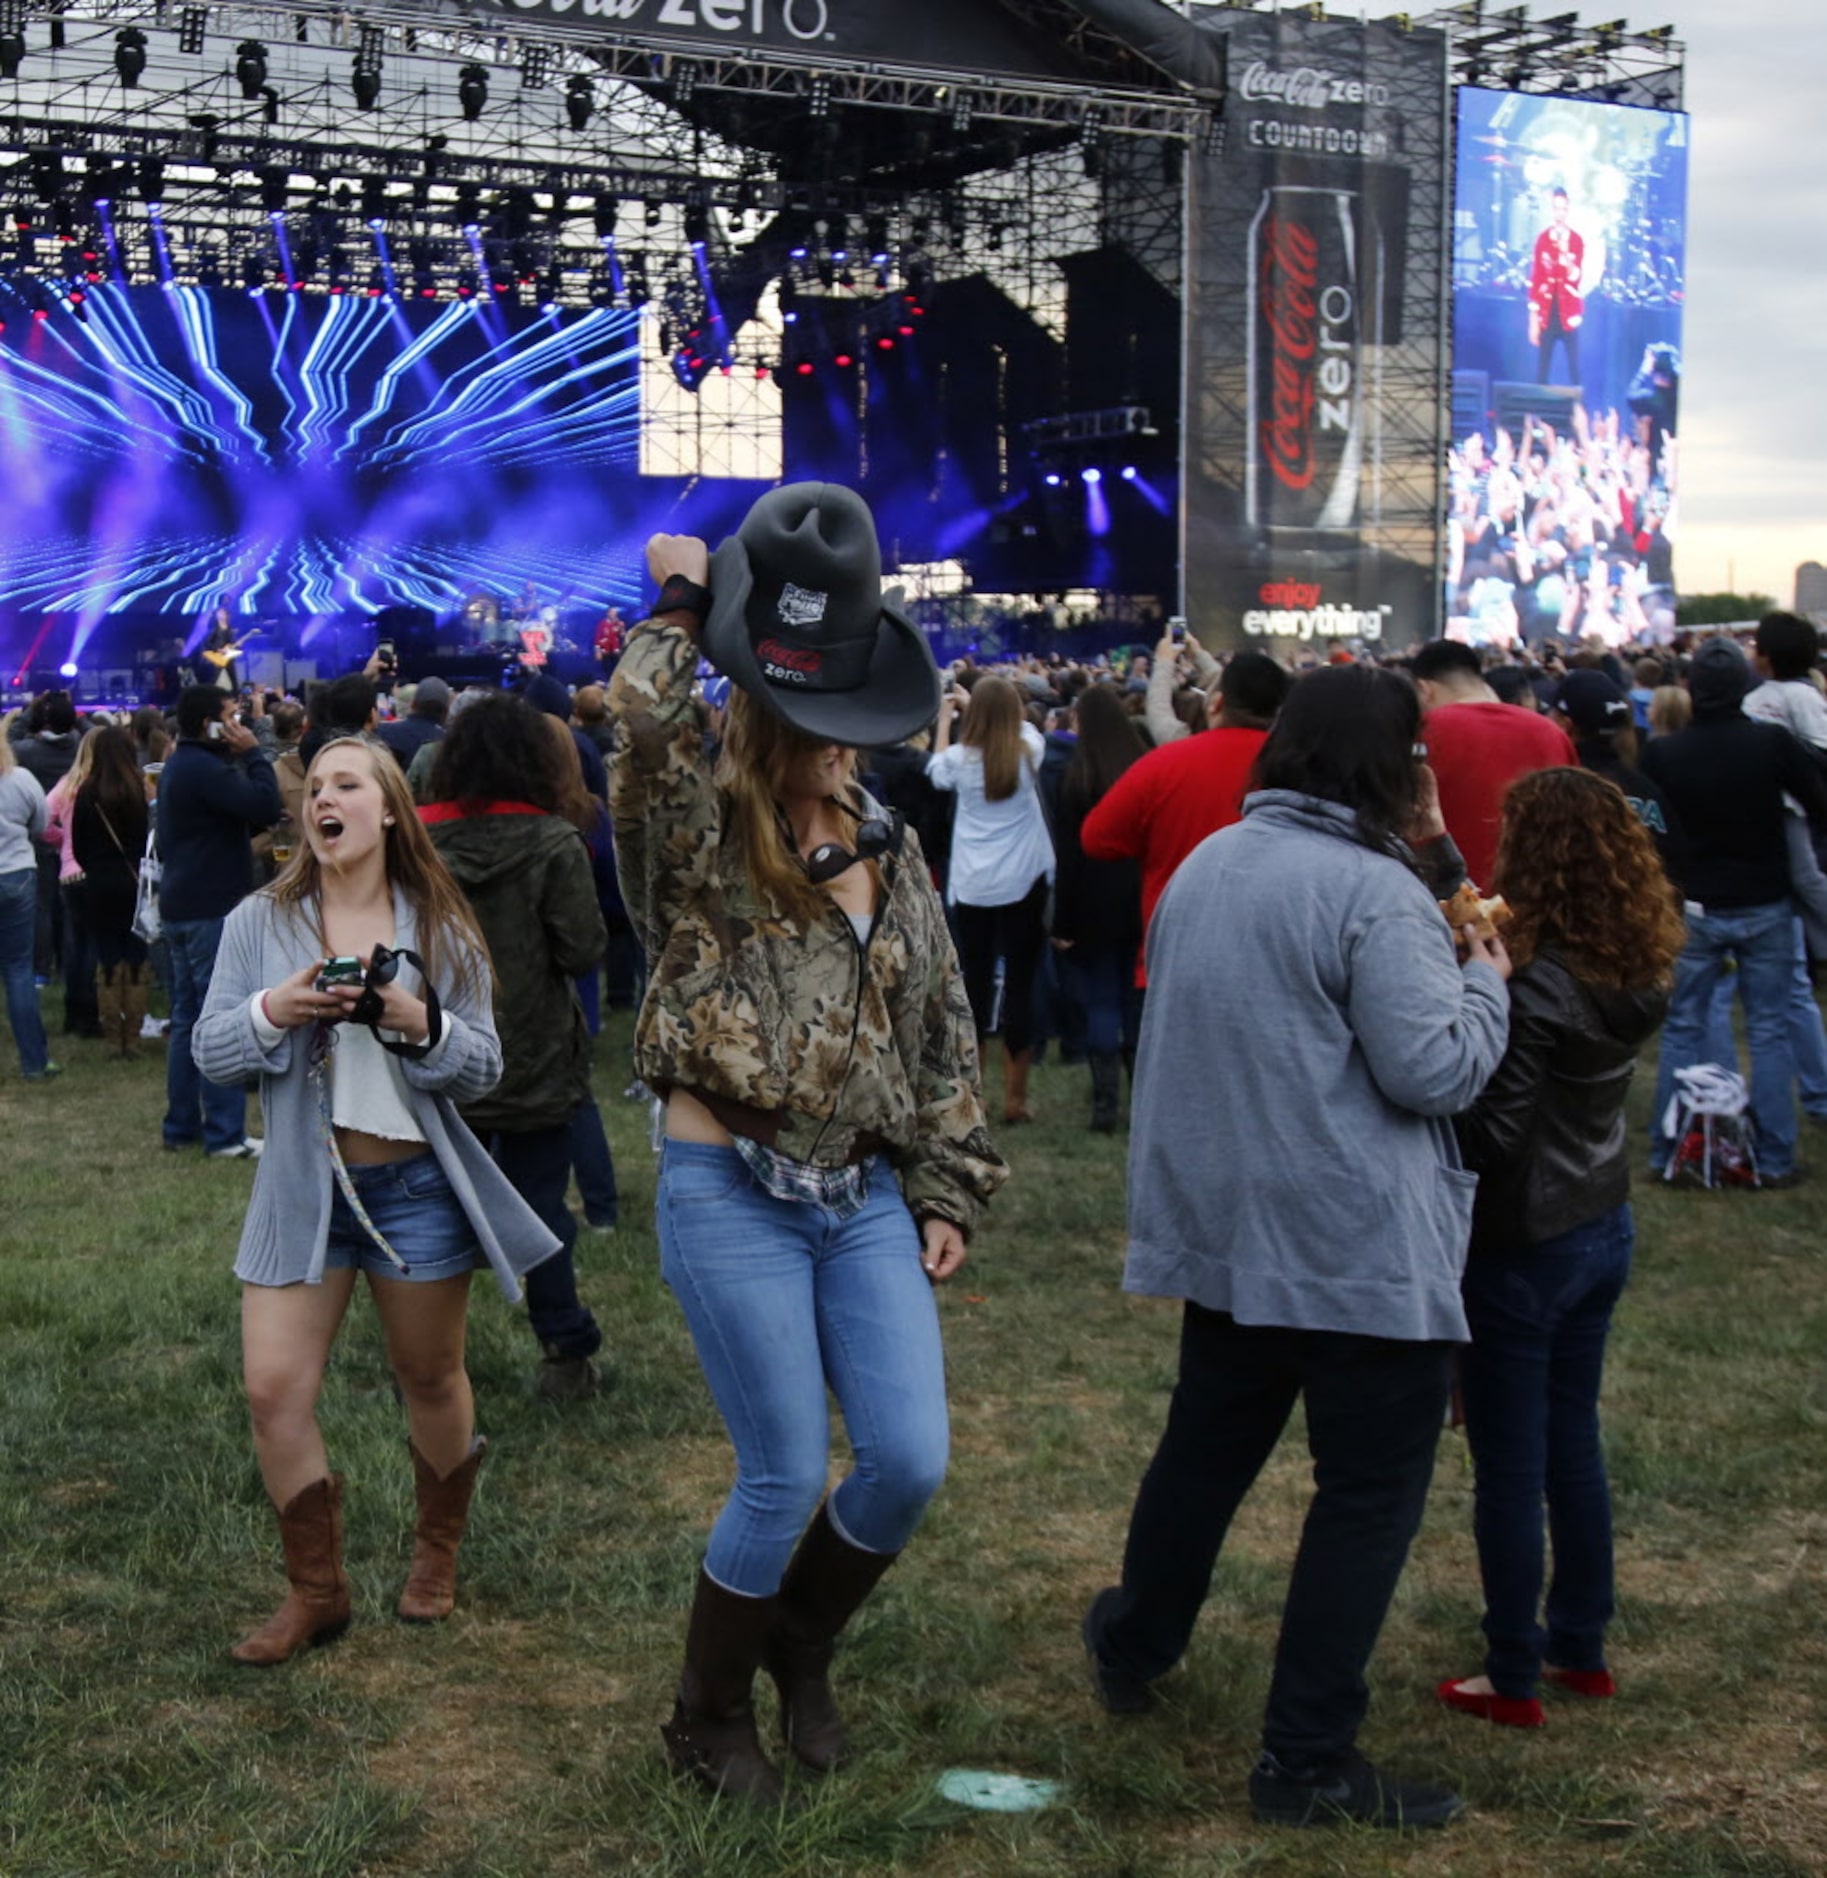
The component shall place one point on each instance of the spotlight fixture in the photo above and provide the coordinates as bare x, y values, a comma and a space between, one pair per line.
535, 66
580, 100
366, 80
374, 200
653, 212
190, 30
1091, 474
683, 83
12, 49
961, 110
273, 186
604, 214
819, 103
250, 67
152, 179
472, 91
129, 55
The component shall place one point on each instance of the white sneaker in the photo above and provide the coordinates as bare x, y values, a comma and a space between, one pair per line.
248, 1150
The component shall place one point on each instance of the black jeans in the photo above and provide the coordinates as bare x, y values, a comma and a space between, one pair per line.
1374, 1411
1016, 934
538, 1166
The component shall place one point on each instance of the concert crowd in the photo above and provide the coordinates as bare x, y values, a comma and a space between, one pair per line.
1427, 910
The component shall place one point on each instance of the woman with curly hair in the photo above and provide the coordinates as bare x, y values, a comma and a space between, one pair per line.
1594, 938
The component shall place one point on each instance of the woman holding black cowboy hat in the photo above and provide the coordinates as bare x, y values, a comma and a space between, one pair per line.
806, 1026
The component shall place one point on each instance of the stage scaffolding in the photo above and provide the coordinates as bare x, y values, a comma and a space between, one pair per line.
554, 163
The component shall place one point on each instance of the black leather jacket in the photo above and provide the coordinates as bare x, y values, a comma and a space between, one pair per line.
1547, 1138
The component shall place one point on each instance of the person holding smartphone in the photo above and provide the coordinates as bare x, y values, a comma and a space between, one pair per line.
355, 992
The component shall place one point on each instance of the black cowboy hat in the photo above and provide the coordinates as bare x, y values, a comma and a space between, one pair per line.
799, 620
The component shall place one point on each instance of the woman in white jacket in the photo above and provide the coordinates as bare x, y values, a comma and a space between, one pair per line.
1001, 868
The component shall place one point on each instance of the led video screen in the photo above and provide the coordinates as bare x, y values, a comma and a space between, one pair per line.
302, 456
1569, 273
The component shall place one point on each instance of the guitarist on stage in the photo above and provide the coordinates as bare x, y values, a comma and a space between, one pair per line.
220, 650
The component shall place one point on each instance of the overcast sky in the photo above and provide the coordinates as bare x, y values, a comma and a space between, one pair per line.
1754, 384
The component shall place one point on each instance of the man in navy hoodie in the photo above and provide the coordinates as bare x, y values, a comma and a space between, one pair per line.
217, 790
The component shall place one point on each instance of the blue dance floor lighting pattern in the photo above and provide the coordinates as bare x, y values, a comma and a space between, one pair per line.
174, 449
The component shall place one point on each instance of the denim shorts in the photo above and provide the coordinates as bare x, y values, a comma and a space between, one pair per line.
411, 1203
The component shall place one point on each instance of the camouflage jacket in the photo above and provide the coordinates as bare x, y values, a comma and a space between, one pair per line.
746, 1005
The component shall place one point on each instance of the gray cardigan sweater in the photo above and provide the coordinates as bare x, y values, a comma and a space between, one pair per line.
1307, 1034
288, 1217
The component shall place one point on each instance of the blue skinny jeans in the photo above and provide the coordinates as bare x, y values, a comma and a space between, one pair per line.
785, 1301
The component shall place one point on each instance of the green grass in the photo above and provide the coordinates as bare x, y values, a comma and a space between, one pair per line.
520, 1739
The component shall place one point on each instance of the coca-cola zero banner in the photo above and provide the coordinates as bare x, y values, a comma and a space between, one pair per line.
1313, 419
954, 36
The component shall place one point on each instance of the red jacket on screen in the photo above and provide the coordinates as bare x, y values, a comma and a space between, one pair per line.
1161, 807
1476, 751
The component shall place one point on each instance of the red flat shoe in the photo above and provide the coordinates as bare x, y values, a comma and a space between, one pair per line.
1508, 1711
1596, 1683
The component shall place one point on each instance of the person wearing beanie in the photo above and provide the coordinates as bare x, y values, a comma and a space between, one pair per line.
1726, 777
545, 693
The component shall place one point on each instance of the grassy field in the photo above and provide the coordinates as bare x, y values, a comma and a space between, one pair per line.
520, 1740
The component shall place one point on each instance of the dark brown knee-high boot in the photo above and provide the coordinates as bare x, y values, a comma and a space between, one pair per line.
431, 1586
316, 1609
712, 1732
825, 1584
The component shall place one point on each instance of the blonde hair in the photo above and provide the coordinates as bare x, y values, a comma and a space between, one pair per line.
759, 751
442, 914
992, 727
1670, 709
66, 787
8, 757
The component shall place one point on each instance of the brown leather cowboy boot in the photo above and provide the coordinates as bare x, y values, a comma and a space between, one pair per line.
108, 1002
825, 1584
1015, 1085
316, 1609
133, 990
431, 1586
712, 1734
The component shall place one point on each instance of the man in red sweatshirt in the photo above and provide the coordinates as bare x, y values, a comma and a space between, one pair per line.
1477, 746
1161, 808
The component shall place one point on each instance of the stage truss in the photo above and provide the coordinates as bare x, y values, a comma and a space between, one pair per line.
421, 152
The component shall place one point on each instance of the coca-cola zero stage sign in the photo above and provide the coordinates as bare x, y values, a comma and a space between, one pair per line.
961, 36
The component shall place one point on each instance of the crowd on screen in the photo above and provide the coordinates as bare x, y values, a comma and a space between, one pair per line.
1564, 531
852, 921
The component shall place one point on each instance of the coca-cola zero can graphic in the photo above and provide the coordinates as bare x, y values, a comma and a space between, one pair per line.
1310, 303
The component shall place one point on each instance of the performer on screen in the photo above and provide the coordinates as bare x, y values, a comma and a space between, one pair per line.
1556, 305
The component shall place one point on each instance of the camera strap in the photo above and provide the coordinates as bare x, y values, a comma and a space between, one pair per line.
382, 970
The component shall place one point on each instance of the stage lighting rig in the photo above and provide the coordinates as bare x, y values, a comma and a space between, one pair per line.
535, 66
152, 179
365, 81
472, 91
191, 23
580, 100
129, 55
250, 67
